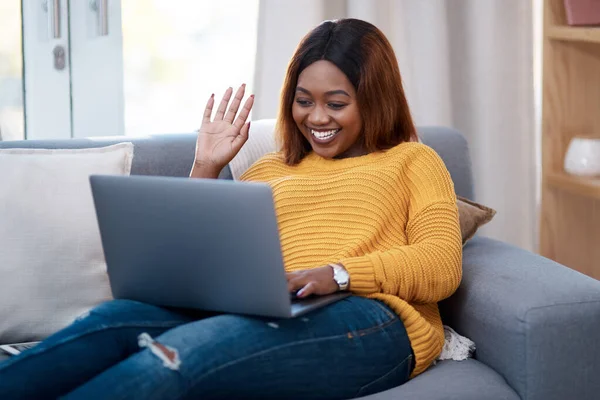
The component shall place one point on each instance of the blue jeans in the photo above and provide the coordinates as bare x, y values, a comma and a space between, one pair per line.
351, 348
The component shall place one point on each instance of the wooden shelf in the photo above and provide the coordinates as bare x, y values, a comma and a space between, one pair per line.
570, 205
574, 33
588, 187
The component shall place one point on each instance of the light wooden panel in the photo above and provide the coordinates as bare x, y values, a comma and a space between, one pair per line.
570, 221
571, 231
578, 35
576, 185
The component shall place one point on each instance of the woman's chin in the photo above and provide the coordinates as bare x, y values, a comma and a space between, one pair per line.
324, 152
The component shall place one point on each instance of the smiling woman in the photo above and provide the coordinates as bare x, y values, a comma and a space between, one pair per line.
360, 208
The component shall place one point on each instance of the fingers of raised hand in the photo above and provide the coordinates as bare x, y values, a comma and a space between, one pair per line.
208, 110
223, 105
235, 104
244, 112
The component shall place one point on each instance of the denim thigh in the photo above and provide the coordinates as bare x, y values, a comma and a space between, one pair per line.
351, 348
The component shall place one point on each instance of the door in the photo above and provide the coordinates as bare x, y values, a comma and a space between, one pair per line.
97, 67
111, 67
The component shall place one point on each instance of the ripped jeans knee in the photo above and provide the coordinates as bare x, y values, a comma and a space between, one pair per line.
168, 355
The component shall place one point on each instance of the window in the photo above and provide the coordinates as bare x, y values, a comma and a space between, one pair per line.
11, 78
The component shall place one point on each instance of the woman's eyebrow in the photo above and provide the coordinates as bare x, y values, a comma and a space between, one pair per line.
301, 89
329, 93
339, 91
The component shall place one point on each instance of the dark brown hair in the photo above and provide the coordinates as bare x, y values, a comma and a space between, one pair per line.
365, 56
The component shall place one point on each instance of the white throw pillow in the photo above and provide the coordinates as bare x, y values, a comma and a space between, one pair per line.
52, 265
261, 140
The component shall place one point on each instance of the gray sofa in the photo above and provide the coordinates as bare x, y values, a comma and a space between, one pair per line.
536, 323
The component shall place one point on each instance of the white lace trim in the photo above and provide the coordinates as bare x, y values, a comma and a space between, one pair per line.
456, 347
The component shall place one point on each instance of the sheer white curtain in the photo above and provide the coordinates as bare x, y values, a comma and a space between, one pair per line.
466, 64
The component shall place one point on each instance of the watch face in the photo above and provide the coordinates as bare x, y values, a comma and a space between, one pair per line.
341, 276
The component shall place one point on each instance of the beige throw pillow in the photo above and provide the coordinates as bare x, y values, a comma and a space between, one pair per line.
52, 265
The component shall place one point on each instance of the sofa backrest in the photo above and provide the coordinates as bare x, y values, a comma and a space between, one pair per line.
452, 147
173, 154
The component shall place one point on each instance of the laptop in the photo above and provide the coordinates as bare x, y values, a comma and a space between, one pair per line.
205, 244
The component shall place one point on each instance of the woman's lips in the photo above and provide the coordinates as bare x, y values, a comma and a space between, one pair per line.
324, 136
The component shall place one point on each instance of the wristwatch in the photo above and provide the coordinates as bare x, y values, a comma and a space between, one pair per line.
340, 276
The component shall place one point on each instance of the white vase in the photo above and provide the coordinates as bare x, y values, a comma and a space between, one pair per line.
583, 157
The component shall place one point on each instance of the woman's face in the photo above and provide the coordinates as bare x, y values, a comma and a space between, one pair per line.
326, 111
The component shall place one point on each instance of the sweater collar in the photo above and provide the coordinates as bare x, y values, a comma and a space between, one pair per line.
313, 159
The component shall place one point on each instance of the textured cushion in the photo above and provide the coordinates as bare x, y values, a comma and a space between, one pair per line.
261, 140
452, 380
51, 259
472, 216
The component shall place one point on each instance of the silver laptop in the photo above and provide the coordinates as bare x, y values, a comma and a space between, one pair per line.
205, 244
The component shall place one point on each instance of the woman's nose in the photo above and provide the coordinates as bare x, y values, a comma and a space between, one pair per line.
318, 116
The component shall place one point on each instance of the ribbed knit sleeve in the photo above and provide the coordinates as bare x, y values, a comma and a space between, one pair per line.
429, 268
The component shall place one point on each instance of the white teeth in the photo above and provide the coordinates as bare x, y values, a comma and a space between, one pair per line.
324, 134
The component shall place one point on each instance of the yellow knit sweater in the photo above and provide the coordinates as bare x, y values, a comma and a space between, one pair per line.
389, 217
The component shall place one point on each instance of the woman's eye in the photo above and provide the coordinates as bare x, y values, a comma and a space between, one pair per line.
303, 103
337, 106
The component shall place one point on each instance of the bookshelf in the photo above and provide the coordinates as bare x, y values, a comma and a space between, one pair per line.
570, 209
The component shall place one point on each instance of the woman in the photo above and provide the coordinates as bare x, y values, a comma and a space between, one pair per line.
361, 206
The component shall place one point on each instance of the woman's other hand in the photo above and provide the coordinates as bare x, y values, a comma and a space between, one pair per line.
222, 138
317, 281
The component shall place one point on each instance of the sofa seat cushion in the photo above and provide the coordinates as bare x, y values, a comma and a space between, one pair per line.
453, 380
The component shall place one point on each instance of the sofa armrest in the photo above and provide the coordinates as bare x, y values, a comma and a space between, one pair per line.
534, 321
